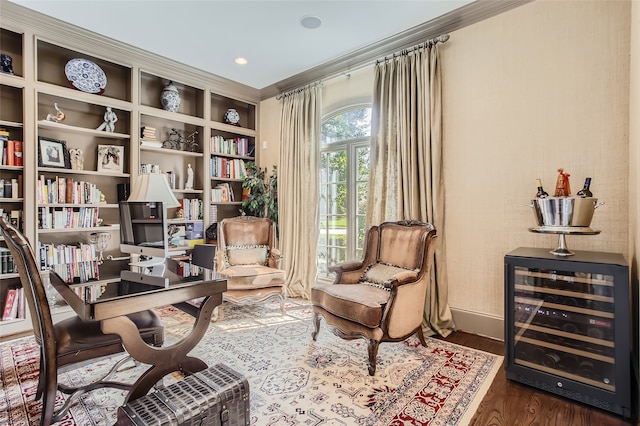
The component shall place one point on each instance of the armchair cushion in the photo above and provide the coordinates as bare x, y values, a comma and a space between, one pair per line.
380, 275
245, 277
360, 303
247, 255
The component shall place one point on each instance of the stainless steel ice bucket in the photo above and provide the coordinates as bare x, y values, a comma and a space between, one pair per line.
564, 211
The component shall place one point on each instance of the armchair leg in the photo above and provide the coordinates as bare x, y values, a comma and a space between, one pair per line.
316, 323
373, 354
421, 337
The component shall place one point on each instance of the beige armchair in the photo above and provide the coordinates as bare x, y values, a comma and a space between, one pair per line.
382, 297
246, 254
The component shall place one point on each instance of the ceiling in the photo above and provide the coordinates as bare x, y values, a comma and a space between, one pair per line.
211, 34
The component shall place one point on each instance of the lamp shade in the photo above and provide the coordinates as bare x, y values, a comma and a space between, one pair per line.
153, 187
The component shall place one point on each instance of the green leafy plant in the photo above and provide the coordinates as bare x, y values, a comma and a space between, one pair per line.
262, 192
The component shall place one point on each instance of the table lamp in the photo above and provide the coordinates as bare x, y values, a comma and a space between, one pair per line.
153, 187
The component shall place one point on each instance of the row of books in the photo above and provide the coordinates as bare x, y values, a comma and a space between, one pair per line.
7, 266
227, 168
13, 304
11, 188
192, 208
61, 190
60, 254
186, 269
68, 217
89, 293
222, 193
11, 151
77, 273
233, 146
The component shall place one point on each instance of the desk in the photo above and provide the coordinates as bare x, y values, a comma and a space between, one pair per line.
111, 302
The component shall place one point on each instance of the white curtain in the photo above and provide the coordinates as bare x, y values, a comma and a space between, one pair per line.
406, 163
298, 188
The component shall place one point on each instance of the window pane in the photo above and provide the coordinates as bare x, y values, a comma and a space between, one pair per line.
352, 124
344, 180
337, 231
362, 233
363, 164
337, 166
363, 196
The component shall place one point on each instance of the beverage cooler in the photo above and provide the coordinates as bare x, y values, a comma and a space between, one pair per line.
567, 328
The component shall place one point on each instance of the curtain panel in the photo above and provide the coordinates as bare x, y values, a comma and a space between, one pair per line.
298, 188
406, 161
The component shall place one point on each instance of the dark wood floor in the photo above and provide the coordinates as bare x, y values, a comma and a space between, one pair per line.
510, 403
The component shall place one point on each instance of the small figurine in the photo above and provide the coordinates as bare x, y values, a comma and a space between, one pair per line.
6, 64
76, 156
189, 183
59, 115
110, 119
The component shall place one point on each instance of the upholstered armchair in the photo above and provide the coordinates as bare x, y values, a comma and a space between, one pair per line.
382, 297
247, 256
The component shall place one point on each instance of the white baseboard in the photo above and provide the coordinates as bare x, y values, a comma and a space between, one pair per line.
481, 324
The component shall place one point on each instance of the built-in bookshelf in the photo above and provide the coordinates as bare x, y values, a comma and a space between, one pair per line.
73, 207
12, 185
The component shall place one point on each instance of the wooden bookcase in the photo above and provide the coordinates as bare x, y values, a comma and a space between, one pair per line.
40, 47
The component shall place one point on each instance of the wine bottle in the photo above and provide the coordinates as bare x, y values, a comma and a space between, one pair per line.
585, 192
551, 359
541, 192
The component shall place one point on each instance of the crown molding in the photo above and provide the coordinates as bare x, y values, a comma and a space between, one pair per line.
464, 16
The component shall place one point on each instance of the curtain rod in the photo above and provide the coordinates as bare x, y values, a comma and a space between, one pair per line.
298, 90
431, 42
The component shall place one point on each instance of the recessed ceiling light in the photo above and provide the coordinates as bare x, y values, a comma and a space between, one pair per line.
241, 61
310, 22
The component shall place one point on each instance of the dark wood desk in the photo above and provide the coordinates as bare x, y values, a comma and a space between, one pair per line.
111, 302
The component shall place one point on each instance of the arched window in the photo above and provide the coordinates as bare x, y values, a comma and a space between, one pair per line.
344, 184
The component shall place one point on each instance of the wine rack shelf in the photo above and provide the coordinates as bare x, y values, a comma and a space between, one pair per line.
567, 325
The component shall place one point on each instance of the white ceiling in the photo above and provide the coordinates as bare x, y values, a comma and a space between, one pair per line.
210, 34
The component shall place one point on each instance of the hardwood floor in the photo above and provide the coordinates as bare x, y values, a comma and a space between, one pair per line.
510, 403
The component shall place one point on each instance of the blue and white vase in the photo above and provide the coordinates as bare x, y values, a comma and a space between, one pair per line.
170, 98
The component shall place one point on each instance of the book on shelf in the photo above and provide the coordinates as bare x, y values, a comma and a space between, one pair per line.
10, 305
7, 266
147, 132
231, 146
57, 190
151, 143
17, 153
222, 193
227, 168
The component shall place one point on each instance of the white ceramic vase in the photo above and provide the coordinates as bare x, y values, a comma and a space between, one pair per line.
170, 98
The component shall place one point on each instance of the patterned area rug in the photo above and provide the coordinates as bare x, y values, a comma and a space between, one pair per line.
293, 380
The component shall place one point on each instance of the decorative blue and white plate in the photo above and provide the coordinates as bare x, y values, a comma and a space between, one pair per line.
86, 76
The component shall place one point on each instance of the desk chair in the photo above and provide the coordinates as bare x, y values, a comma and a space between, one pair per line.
382, 297
70, 341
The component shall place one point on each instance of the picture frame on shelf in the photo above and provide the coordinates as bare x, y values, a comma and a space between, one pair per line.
53, 153
110, 158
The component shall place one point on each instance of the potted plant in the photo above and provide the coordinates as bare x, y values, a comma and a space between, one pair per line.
260, 192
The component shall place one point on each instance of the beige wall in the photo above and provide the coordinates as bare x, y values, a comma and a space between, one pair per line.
543, 86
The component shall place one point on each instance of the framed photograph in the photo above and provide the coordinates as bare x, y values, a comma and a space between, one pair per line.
53, 153
110, 158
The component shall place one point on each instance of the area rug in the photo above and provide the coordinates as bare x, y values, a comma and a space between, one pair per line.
293, 380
